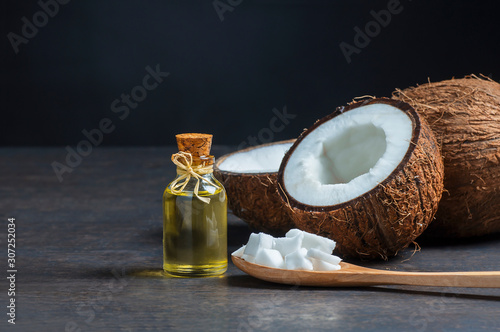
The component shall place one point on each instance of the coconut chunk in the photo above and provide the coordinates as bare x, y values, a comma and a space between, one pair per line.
320, 265
297, 261
309, 240
293, 232
248, 258
314, 253
287, 245
258, 241
239, 252
270, 258
313, 241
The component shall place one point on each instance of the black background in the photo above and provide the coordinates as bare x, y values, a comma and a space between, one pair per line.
225, 76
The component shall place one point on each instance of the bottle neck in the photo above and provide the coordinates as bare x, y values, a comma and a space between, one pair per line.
203, 161
193, 171
187, 163
204, 171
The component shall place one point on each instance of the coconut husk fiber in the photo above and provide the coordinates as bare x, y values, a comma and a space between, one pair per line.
464, 115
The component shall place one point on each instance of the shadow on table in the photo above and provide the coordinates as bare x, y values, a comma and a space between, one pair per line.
151, 273
246, 281
429, 241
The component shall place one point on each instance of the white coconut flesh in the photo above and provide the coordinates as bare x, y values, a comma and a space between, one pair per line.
348, 155
265, 159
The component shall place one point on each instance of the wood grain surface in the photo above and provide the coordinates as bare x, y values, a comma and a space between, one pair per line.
89, 259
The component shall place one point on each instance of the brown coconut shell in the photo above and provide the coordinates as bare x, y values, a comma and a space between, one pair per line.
254, 198
390, 216
464, 115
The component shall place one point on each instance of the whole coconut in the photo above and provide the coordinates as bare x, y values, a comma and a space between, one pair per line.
464, 115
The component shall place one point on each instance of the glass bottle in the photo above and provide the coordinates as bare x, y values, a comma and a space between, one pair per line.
194, 213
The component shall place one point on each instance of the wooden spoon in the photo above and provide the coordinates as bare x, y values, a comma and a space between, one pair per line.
351, 275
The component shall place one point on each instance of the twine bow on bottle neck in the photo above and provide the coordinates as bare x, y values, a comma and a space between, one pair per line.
186, 170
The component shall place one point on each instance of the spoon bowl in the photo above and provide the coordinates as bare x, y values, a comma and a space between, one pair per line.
351, 275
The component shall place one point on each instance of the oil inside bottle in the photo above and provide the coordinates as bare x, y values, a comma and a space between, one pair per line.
195, 233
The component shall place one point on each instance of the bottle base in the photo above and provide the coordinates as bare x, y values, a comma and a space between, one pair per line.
194, 271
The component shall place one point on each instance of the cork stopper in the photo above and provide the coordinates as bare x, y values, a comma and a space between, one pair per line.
196, 144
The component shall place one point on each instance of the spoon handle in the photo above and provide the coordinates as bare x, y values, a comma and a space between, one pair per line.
443, 279
351, 275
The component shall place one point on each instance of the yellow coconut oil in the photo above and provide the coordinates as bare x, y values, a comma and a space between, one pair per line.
194, 220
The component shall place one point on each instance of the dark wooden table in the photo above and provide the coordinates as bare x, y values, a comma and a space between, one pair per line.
89, 254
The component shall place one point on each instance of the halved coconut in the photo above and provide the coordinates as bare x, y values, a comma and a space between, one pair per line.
465, 117
369, 176
249, 177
